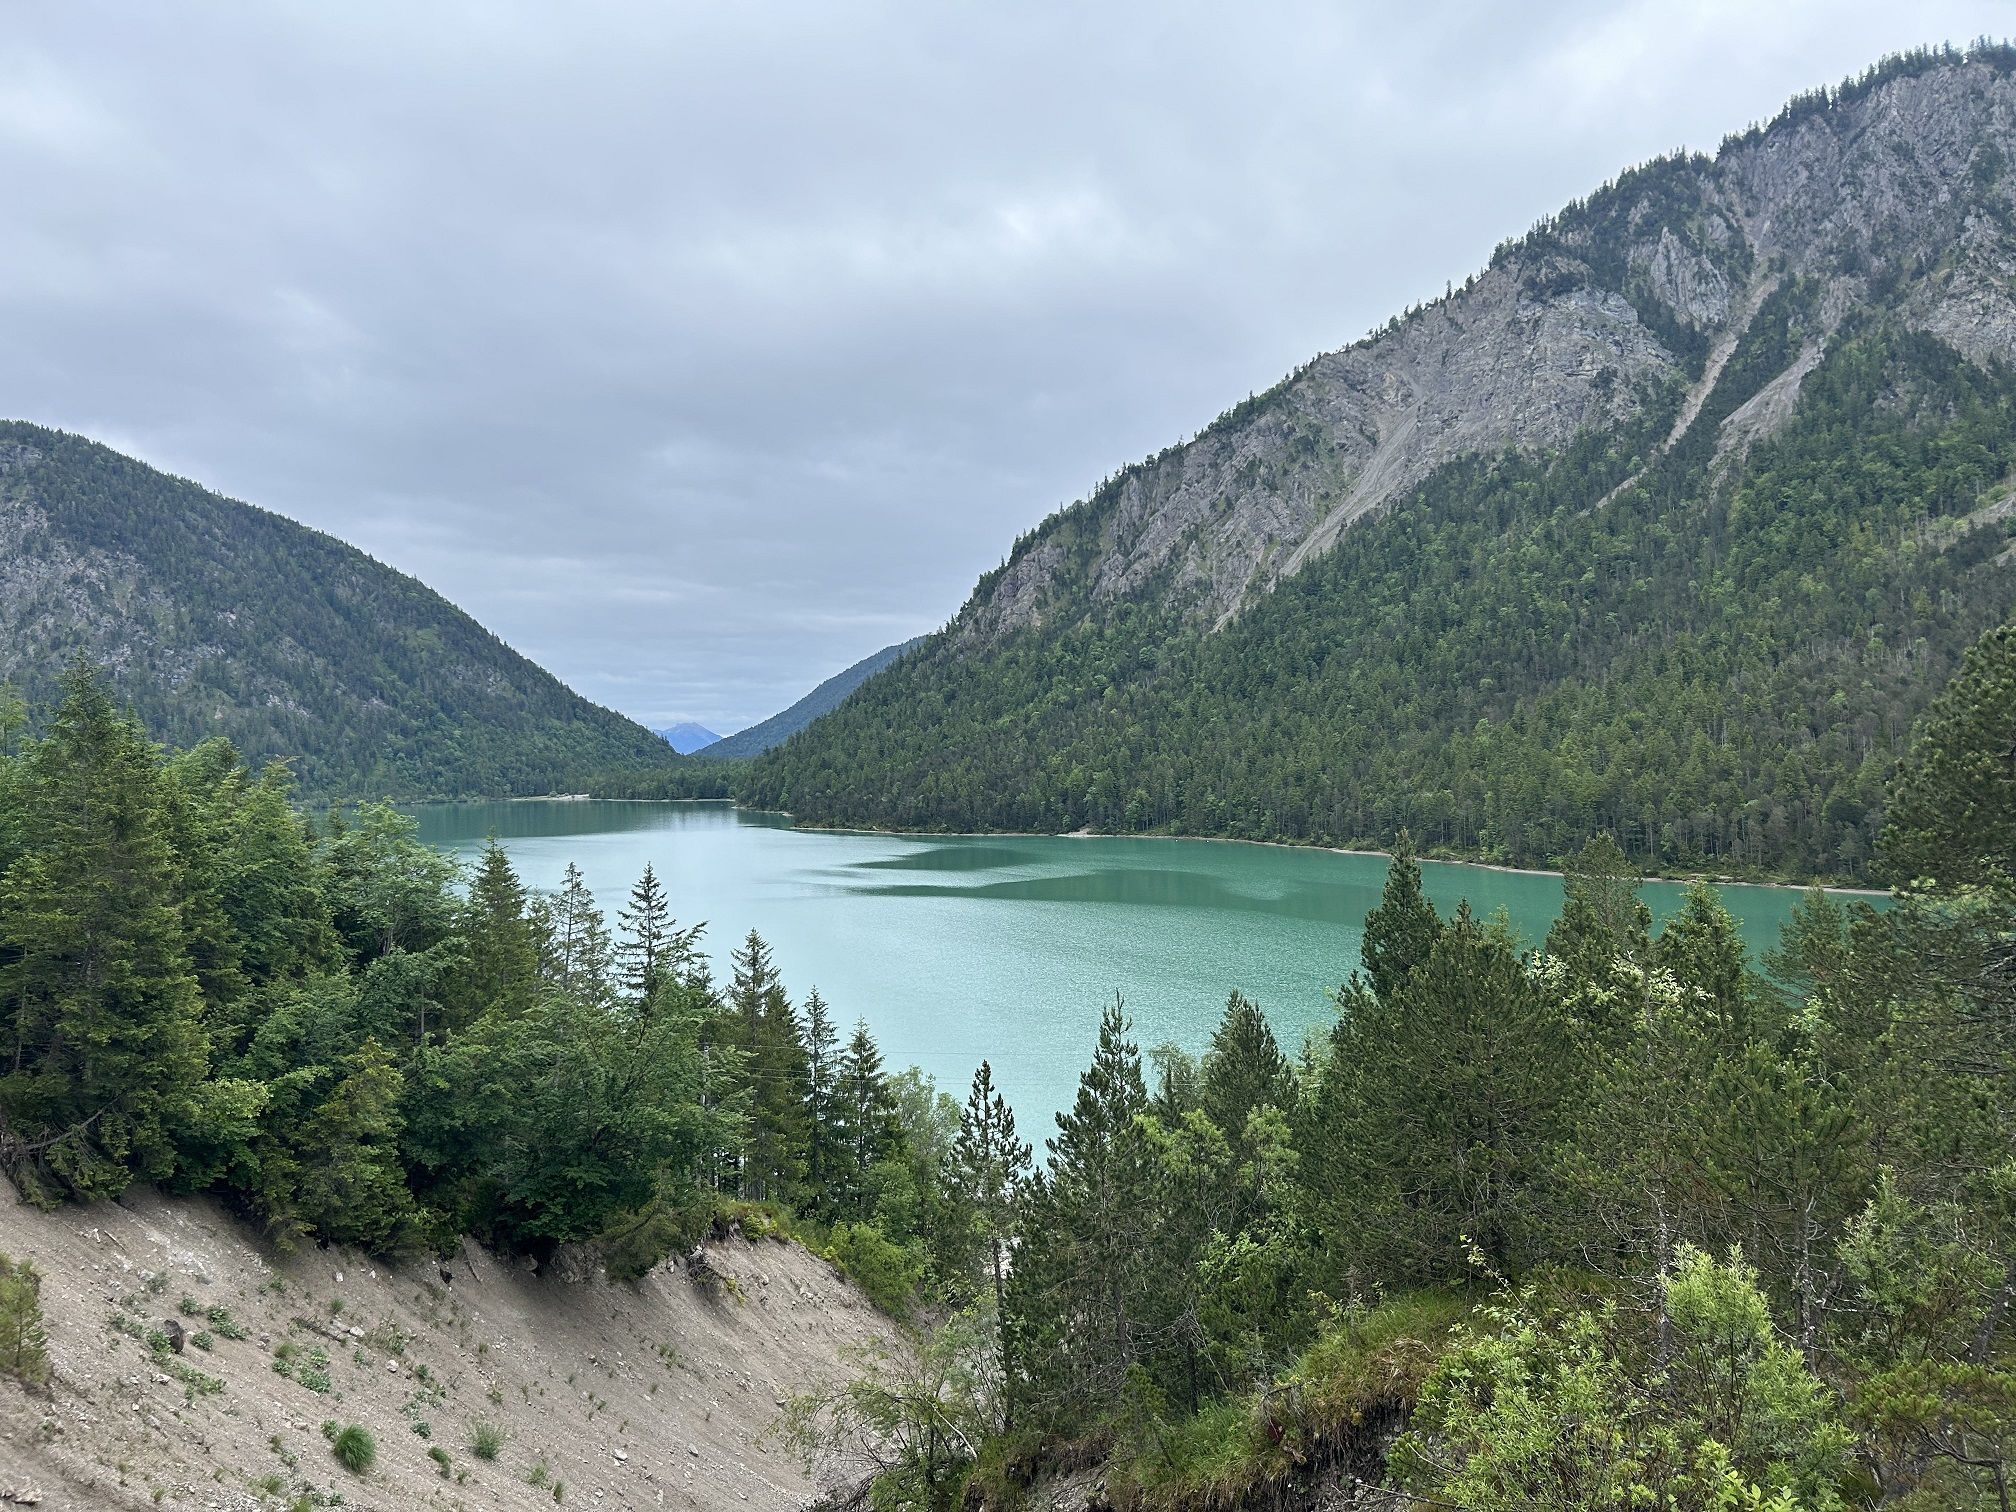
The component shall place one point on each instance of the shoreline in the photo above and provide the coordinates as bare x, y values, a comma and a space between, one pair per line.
1712, 879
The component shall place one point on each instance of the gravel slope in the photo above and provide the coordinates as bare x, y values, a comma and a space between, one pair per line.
657, 1394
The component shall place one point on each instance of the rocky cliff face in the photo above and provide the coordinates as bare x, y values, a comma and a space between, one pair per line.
1894, 192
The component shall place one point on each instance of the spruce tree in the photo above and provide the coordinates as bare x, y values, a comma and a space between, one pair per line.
109, 1048
501, 952
825, 1155
646, 952
865, 1119
1244, 1070
767, 1031
352, 1183
582, 962
1401, 931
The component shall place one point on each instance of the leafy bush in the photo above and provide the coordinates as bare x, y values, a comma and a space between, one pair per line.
889, 1273
485, 1439
636, 1245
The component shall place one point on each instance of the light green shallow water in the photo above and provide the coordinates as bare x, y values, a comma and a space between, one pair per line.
955, 948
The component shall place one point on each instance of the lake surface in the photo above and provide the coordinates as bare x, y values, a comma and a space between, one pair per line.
956, 948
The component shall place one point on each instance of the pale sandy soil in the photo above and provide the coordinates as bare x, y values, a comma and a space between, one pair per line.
657, 1394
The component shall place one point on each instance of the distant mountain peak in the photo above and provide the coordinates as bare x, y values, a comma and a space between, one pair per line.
686, 737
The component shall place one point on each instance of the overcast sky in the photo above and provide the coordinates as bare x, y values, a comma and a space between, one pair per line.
700, 350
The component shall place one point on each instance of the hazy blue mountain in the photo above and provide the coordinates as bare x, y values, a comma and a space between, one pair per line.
687, 737
823, 699
212, 617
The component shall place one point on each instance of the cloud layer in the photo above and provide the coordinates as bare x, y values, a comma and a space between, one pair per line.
701, 350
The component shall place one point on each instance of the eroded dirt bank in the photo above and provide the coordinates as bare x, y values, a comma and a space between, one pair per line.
654, 1394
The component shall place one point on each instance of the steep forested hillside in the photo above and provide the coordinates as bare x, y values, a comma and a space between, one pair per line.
215, 618
1668, 523
822, 700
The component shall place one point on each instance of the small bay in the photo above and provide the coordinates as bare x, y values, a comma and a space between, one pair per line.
955, 948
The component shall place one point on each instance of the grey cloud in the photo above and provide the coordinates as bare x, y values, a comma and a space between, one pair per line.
701, 350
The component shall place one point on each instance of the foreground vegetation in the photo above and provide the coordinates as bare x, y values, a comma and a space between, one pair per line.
1614, 1223
322, 1022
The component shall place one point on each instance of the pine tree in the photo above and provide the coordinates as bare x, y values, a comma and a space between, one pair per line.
1402, 930
581, 963
1703, 948
1446, 1110
1079, 1308
109, 1048
1244, 1070
1602, 920
991, 1164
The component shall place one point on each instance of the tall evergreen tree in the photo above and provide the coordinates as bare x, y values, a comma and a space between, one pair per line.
109, 1049
582, 962
646, 953
865, 1118
773, 1042
825, 1153
1244, 1070
1447, 1110
1080, 1309
1602, 920
992, 1163
501, 952
1402, 930
1703, 948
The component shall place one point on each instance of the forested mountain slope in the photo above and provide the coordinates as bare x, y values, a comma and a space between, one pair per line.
822, 700
1667, 523
216, 618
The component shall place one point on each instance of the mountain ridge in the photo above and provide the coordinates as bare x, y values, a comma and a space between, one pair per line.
216, 617
822, 700
1628, 373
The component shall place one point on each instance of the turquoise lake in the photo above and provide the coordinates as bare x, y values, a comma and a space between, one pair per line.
956, 948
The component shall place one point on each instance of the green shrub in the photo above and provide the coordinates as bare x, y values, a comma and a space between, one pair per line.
226, 1326
889, 1273
485, 1439
24, 1353
354, 1448
635, 1245
440, 1457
